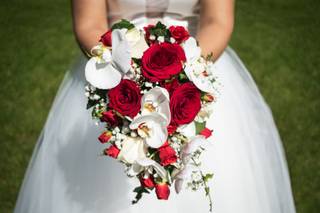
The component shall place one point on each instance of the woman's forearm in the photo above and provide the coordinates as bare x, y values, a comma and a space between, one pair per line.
214, 38
216, 26
89, 37
89, 22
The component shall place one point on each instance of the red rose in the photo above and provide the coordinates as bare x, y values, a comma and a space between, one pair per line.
106, 38
162, 191
179, 33
105, 137
112, 151
167, 154
162, 61
147, 182
185, 104
125, 98
111, 118
206, 132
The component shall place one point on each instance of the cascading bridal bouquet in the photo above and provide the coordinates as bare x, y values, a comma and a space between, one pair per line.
149, 88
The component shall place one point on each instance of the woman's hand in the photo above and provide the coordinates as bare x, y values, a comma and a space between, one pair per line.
216, 26
89, 22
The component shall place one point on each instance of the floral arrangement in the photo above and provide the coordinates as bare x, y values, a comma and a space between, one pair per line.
153, 92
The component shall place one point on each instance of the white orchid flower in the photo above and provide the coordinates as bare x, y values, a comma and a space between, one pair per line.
152, 128
147, 164
196, 68
191, 146
137, 42
181, 175
132, 149
106, 70
191, 49
188, 130
156, 100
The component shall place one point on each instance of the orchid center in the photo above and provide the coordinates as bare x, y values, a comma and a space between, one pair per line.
144, 130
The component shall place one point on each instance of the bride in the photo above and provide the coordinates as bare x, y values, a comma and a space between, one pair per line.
67, 175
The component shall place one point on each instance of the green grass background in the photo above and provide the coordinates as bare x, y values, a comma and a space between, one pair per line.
278, 40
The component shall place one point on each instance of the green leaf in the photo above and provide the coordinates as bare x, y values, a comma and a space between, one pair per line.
137, 61
200, 127
207, 177
123, 24
160, 30
139, 190
91, 103
207, 189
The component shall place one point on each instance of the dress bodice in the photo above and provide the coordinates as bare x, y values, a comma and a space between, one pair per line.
142, 12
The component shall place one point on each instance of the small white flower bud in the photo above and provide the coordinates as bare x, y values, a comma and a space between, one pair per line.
160, 39
96, 97
148, 84
152, 37
172, 40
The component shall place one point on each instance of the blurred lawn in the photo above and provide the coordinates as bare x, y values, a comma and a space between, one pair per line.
277, 40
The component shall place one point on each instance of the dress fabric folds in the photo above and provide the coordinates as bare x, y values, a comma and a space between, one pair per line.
67, 174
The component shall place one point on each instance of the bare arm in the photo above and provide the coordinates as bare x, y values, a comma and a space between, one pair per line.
216, 26
89, 21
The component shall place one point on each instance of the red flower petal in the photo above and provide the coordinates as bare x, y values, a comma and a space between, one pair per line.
206, 132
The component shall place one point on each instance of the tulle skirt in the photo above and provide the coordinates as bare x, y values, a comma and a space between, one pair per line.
67, 174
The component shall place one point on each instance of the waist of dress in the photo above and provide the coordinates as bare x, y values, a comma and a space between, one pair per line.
143, 19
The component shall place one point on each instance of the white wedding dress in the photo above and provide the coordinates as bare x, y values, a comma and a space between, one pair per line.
67, 175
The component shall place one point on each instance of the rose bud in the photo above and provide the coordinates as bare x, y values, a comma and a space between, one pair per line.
147, 182
106, 38
111, 118
171, 129
162, 191
179, 33
167, 155
208, 98
105, 137
147, 32
206, 132
112, 151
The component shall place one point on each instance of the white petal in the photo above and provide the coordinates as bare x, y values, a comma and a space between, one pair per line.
201, 82
157, 134
204, 84
191, 49
121, 50
145, 162
101, 75
159, 97
194, 144
188, 130
178, 184
132, 149
137, 42
181, 177
188, 70
139, 47
133, 35
156, 117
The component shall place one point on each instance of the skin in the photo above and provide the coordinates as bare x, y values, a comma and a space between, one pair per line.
216, 23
